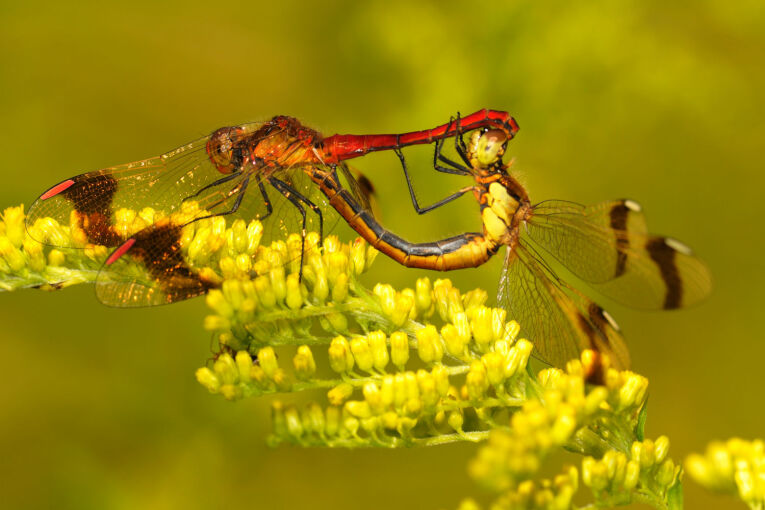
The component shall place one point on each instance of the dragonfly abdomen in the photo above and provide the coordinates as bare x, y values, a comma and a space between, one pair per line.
465, 250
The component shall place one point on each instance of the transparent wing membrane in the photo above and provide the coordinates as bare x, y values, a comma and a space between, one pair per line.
608, 246
285, 201
558, 319
161, 183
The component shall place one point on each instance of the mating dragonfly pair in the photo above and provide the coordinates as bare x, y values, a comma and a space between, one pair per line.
255, 170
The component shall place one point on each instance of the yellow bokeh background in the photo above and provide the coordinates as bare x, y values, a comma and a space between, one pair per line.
661, 102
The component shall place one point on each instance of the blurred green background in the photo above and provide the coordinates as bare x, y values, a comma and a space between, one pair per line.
661, 102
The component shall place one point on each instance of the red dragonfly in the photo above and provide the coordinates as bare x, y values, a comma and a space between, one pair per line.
305, 170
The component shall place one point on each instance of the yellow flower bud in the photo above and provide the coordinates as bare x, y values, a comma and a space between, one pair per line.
387, 296
294, 298
358, 409
244, 365
305, 365
378, 347
336, 321
388, 390
278, 283
453, 341
631, 475
340, 289
403, 305
441, 377
208, 379
339, 394
340, 356
56, 258
232, 291
512, 329
266, 295
661, 449
481, 327
267, 361
399, 349
254, 235
429, 346
476, 381
456, 420
362, 353
358, 256
427, 387
225, 369
293, 422
474, 299
373, 397
313, 419
423, 295
495, 367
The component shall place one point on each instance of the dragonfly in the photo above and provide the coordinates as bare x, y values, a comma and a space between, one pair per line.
607, 246
281, 172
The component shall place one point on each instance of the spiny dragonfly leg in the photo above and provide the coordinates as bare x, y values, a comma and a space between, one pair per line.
423, 210
459, 142
220, 181
296, 198
456, 169
238, 190
266, 201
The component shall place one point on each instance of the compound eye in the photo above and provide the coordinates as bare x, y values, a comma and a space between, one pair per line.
220, 148
490, 147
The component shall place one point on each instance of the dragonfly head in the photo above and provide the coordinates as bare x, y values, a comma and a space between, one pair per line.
486, 148
224, 151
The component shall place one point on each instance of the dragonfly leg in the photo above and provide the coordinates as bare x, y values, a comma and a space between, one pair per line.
220, 181
423, 210
239, 190
459, 142
296, 198
266, 201
456, 169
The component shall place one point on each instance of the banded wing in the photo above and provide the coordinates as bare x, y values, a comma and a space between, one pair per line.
91, 200
608, 246
286, 201
560, 321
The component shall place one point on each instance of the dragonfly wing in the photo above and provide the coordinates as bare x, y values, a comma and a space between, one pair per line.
607, 245
155, 273
560, 321
156, 269
92, 199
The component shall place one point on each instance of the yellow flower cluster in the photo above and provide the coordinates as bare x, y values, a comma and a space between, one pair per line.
269, 298
563, 408
555, 494
564, 411
614, 477
25, 262
240, 376
734, 467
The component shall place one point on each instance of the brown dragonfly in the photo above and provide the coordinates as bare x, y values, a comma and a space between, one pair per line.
606, 245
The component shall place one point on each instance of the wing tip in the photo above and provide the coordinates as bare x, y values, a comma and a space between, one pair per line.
58, 188
120, 251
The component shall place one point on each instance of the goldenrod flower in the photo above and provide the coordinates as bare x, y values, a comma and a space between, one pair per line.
417, 366
735, 467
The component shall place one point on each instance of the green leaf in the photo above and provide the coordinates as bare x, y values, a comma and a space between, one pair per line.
675, 496
640, 426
